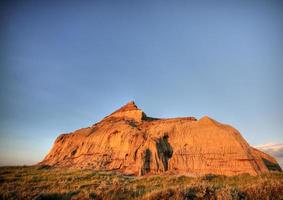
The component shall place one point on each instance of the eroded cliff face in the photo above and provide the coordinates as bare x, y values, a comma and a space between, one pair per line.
132, 143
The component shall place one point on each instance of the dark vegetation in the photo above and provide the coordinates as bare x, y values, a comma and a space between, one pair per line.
42, 183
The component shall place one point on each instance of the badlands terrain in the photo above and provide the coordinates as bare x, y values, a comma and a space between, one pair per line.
130, 142
129, 155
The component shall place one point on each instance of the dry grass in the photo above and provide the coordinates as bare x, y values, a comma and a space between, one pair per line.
55, 183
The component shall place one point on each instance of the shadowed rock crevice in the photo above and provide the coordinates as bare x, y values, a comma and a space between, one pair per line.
146, 162
165, 150
271, 166
156, 156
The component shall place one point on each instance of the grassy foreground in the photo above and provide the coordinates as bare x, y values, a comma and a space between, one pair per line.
53, 183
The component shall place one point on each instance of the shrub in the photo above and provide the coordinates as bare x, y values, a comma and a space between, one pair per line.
55, 196
43, 167
94, 196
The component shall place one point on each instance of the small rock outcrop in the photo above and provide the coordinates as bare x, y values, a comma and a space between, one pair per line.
131, 142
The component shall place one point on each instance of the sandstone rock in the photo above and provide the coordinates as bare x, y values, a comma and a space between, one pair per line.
132, 143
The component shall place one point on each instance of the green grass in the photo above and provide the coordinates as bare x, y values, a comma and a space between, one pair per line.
56, 183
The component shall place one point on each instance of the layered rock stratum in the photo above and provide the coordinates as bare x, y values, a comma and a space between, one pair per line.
130, 142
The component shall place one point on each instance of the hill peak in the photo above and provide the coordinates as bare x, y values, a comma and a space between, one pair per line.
128, 111
128, 106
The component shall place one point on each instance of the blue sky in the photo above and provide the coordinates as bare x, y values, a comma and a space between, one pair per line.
65, 65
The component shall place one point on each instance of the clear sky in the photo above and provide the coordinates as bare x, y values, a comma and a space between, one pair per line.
66, 65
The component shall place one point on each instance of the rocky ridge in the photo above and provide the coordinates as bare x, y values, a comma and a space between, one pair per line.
131, 142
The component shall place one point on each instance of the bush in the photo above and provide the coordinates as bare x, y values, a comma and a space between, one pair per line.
43, 167
94, 196
55, 196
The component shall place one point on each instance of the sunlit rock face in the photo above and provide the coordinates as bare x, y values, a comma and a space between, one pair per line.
132, 143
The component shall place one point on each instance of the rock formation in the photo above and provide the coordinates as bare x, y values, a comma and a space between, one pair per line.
132, 143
